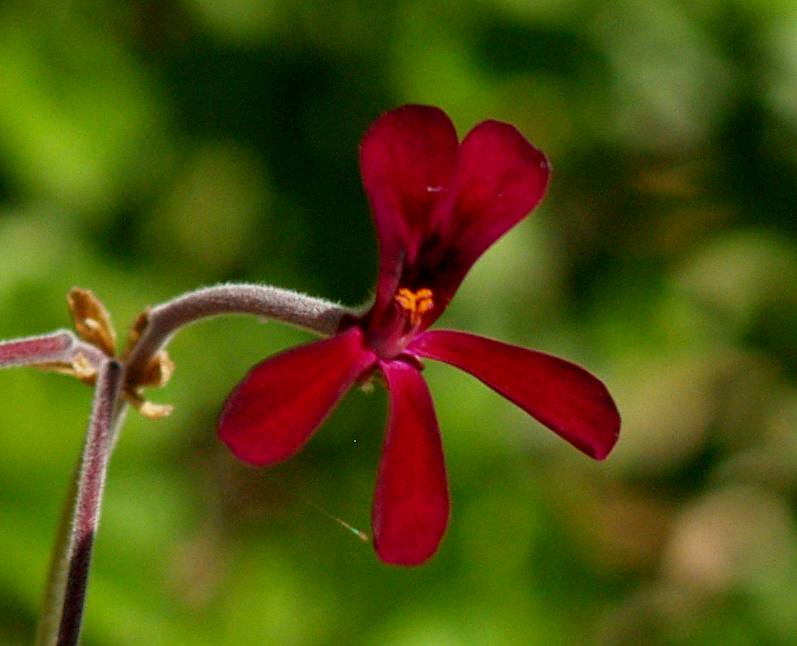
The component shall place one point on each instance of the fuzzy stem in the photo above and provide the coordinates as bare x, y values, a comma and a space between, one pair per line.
59, 348
90, 487
50, 618
316, 315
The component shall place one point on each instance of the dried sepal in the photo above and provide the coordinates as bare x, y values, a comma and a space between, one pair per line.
83, 370
147, 408
159, 371
137, 329
92, 321
80, 368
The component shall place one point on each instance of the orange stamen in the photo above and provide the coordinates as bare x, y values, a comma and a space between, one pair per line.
416, 303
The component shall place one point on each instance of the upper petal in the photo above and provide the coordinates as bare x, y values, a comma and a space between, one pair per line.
501, 178
408, 161
561, 395
411, 505
273, 411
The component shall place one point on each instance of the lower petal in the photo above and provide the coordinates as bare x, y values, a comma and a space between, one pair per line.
561, 395
411, 504
277, 406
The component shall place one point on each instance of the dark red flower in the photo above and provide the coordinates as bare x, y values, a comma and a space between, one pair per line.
438, 204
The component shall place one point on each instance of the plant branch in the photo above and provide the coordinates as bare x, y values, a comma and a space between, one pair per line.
96, 452
50, 618
59, 350
316, 315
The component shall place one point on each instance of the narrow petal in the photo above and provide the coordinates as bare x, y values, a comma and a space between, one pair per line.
408, 161
275, 409
501, 178
557, 393
411, 504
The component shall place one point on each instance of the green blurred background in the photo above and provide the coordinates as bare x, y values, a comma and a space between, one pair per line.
148, 148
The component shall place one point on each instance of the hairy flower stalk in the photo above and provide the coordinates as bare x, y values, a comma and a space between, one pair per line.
91, 484
36, 349
59, 351
313, 314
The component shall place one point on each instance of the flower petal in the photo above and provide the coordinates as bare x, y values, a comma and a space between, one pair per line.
561, 395
277, 406
408, 161
501, 178
411, 506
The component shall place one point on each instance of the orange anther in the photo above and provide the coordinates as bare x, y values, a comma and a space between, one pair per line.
416, 303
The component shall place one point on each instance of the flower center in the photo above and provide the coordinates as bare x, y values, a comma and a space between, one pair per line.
415, 303
399, 323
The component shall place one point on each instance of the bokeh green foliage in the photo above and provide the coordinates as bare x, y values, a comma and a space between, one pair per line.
148, 148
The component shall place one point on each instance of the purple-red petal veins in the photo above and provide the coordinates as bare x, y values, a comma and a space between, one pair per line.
502, 177
411, 504
408, 160
272, 413
559, 394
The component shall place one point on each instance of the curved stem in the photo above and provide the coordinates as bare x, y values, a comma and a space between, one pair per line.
314, 314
